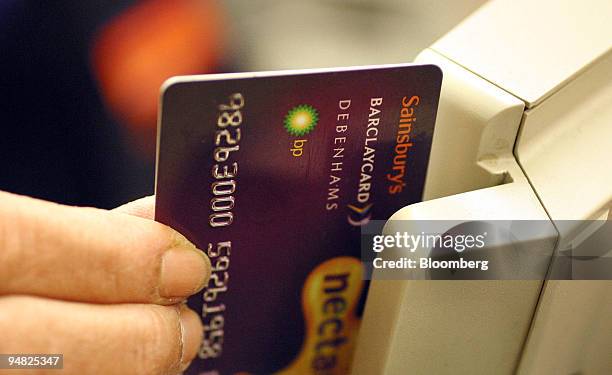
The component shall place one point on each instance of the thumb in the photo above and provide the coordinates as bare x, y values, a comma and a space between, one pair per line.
143, 207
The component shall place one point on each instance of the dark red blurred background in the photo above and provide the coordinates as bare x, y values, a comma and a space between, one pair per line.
80, 83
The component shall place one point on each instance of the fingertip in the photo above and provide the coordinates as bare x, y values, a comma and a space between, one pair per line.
191, 335
184, 271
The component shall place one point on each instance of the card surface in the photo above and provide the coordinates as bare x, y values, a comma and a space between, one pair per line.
272, 174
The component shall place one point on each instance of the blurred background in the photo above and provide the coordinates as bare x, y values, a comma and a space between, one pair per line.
80, 79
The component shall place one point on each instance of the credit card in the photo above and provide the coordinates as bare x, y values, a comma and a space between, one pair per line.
272, 175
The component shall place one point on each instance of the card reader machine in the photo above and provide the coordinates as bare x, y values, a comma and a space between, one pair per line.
524, 132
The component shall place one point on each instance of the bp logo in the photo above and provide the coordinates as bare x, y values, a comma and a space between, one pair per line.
301, 120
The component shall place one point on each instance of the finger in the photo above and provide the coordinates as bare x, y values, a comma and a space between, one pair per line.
143, 207
88, 254
101, 339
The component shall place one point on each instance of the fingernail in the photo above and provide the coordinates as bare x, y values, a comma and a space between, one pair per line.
191, 335
184, 271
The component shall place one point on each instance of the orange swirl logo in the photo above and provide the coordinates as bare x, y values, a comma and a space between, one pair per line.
329, 299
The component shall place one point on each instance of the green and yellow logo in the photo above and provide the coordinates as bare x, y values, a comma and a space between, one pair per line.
301, 120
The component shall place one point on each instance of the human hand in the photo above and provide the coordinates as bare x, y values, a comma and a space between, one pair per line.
101, 287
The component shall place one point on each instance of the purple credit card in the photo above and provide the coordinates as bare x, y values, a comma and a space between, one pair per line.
272, 174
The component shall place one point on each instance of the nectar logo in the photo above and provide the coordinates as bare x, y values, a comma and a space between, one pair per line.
299, 121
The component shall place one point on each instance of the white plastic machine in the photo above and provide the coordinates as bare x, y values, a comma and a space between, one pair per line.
524, 131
